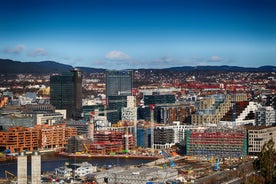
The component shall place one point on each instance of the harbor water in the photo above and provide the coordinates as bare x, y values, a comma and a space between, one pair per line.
50, 161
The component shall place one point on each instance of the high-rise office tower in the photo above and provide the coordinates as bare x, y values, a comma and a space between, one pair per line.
119, 83
118, 87
66, 93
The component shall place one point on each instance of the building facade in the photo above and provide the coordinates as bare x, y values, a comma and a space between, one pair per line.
118, 86
265, 116
66, 93
220, 142
258, 136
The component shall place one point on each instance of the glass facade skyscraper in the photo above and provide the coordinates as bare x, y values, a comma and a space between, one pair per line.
119, 83
118, 87
66, 93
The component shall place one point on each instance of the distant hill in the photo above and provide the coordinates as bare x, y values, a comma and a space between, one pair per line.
225, 68
8, 66
90, 70
43, 67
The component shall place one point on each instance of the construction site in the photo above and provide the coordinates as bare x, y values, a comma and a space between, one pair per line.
105, 143
220, 142
40, 137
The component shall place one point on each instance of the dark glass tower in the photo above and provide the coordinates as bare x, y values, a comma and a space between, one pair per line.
118, 87
119, 83
66, 93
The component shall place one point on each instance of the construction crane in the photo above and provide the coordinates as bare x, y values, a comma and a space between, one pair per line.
86, 149
165, 155
7, 174
234, 105
152, 106
216, 167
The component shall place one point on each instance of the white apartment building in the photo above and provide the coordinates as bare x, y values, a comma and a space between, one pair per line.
258, 136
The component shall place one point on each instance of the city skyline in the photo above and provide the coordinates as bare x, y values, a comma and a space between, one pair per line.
123, 34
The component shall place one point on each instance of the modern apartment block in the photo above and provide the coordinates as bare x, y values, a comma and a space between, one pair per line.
265, 116
176, 112
258, 136
18, 139
167, 136
220, 107
66, 93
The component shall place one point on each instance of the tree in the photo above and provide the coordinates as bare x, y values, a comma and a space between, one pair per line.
266, 161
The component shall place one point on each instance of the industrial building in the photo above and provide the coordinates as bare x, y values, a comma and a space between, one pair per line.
136, 175
66, 93
221, 142
258, 136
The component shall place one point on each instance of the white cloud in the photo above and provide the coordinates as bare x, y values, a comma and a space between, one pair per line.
16, 50
216, 58
165, 60
116, 55
38, 52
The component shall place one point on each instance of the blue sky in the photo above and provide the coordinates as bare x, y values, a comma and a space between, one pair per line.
120, 34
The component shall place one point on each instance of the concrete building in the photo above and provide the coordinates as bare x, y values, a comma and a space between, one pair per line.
258, 136
49, 118
167, 136
36, 168
16, 119
137, 175
22, 168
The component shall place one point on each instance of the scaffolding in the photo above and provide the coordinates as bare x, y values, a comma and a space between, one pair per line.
107, 142
222, 142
